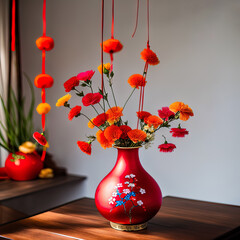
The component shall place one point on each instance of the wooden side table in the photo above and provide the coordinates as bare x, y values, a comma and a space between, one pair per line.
20, 199
180, 219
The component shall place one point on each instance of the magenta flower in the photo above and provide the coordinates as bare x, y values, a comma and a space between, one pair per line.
84, 76
165, 113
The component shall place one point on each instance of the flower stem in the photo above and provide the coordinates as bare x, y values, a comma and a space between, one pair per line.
113, 94
90, 120
95, 109
129, 97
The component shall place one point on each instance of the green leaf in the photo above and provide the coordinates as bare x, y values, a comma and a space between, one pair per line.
112, 74
100, 91
81, 94
83, 84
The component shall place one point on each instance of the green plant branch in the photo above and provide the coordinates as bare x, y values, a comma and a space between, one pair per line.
129, 97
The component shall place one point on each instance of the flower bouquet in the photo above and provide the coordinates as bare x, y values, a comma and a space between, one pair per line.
128, 196
112, 128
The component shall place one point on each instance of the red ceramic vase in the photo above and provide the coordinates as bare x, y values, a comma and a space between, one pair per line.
23, 169
128, 196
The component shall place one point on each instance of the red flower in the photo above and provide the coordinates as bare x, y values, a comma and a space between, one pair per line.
179, 132
149, 56
85, 147
142, 114
84, 76
91, 99
165, 113
71, 83
166, 147
40, 138
112, 46
125, 129
74, 112
100, 119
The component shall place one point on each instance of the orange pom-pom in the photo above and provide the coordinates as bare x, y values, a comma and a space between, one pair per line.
43, 81
43, 108
112, 46
149, 56
45, 43
137, 135
136, 81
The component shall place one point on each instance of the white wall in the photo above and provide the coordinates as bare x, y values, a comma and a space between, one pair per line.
198, 43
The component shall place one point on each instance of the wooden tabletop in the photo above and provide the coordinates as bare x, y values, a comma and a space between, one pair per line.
12, 189
180, 219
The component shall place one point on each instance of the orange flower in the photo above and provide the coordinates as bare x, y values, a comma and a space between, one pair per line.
112, 46
136, 81
112, 133
61, 101
106, 68
43, 108
90, 124
114, 114
184, 109
143, 114
85, 147
100, 119
137, 135
149, 56
154, 121
103, 140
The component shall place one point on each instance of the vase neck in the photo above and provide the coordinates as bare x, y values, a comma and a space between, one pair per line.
128, 158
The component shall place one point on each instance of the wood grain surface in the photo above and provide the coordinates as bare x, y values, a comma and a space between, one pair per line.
12, 189
180, 219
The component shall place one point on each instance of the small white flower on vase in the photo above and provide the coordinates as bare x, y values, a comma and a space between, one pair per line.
142, 191
114, 194
140, 202
131, 185
126, 191
127, 176
132, 175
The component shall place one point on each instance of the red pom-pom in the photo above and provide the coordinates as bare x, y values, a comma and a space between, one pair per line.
43, 81
45, 43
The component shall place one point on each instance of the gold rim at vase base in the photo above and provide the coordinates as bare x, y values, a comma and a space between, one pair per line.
128, 227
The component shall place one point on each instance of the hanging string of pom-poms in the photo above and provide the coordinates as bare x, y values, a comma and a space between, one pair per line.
13, 30
43, 81
148, 56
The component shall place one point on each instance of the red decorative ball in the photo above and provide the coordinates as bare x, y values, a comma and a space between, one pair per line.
43, 81
45, 43
24, 169
128, 194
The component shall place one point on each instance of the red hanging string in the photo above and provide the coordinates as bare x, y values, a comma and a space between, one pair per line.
44, 17
43, 155
43, 60
141, 99
148, 46
13, 25
43, 71
135, 29
102, 27
112, 30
